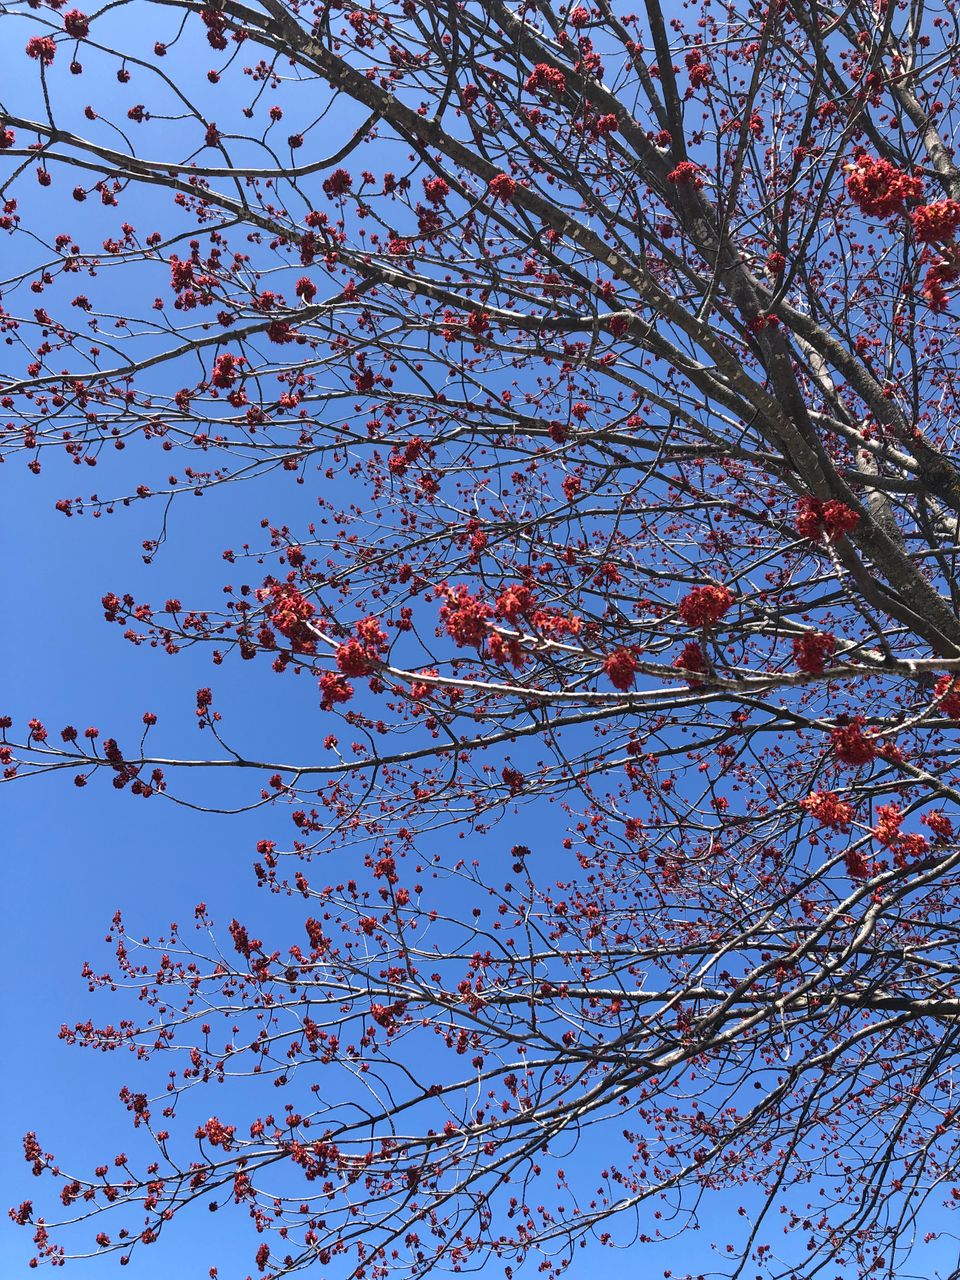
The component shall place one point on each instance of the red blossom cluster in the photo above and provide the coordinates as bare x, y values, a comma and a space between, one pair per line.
810, 652
816, 519
76, 24
181, 274
602, 125
226, 369
42, 48
216, 23
698, 70
359, 655
400, 459
353, 659
333, 689
515, 602
886, 831
938, 275
503, 649
545, 78
290, 612
338, 184
465, 617
692, 659
851, 745
936, 223
947, 691
503, 187
436, 190
859, 866
478, 322
878, 188
621, 667
685, 174
217, 1133
705, 606
829, 810
939, 824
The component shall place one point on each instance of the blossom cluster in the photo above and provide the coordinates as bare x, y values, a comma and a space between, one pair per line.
816, 519
705, 606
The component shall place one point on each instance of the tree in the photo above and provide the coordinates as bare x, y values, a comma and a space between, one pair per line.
613, 363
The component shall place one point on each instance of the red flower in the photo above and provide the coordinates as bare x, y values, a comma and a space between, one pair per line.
851, 745
579, 17
215, 23
604, 124
504, 649
879, 189
353, 659
226, 367
181, 274
939, 824
816, 519
436, 190
43, 48
515, 601
338, 183
937, 222
827, 809
934, 294
305, 289
333, 689
887, 828
371, 634
279, 331
76, 24
215, 1131
811, 652
545, 78
290, 612
513, 778
859, 866
621, 666
704, 606
503, 187
692, 658
697, 69
947, 689
684, 174
465, 617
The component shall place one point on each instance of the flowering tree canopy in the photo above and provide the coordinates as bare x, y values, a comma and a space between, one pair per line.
611, 362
